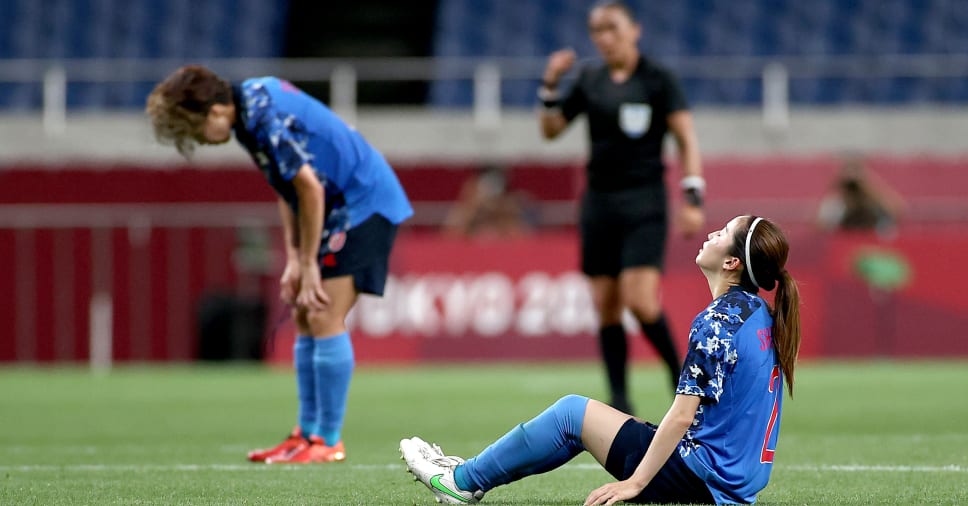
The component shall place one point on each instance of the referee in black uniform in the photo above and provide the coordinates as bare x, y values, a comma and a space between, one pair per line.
631, 103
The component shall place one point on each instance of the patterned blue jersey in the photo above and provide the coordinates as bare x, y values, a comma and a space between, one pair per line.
732, 366
283, 129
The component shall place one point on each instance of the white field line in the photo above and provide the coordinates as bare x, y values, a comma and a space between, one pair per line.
580, 467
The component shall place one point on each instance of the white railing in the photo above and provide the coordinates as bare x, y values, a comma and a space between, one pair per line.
487, 74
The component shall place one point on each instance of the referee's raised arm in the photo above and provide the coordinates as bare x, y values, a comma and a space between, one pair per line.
550, 117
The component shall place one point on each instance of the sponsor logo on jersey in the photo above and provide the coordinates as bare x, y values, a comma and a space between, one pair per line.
634, 119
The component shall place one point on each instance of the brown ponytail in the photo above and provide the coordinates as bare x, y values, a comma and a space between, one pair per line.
786, 325
768, 256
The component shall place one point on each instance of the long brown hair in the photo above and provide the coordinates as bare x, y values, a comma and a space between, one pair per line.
179, 105
768, 255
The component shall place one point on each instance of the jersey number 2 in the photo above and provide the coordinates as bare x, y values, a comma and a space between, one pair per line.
766, 456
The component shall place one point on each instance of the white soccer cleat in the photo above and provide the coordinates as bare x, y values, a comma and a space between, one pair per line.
430, 466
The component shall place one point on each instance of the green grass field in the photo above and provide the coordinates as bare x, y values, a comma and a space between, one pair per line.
856, 433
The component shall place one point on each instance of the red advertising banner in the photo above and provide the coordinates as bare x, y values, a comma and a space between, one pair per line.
455, 299
125, 261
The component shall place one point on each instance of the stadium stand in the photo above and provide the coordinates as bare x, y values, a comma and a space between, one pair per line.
505, 28
64, 29
755, 28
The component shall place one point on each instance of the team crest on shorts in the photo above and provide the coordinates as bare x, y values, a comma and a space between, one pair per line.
634, 119
336, 241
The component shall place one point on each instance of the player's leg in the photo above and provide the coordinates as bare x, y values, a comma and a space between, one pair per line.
599, 427
359, 265
611, 339
332, 369
302, 352
333, 359
569, 426
615, 439
539, 445
619, 443
601, 246
640, 286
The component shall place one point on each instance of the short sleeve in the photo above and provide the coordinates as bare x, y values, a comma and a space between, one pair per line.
675, 99
575, 101
288, 140
285, 136
706, 362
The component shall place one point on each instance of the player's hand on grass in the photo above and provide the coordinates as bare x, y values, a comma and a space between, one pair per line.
612, 493
690, 220
311, 294
289, 283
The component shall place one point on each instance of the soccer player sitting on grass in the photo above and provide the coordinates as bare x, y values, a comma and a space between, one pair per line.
340, 204
716, 442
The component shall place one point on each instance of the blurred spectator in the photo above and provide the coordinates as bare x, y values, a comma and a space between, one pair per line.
485, 207
858, 200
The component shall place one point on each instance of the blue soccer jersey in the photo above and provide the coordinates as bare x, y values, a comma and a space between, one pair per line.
283, 129
732, 366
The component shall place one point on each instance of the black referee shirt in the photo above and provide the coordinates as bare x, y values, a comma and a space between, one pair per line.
626, 122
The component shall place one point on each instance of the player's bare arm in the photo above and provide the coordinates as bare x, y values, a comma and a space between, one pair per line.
309, 223
289, 283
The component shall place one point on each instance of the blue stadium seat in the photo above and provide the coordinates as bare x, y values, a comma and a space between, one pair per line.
723, 27
510, 28
180, 29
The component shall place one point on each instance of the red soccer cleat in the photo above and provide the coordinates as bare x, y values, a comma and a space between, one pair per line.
292, 444
315, 452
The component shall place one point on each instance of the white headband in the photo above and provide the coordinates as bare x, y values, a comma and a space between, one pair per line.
749, 265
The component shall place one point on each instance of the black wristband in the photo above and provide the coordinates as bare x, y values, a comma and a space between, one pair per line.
549, 85
693, 197
551, 104
549, 98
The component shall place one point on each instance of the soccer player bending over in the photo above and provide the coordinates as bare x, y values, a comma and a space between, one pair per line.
340, 204
716, 442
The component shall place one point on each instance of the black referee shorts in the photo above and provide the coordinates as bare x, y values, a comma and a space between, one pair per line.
674, 483
363, 254
622, 229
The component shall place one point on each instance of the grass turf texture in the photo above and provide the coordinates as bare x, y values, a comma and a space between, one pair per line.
856, 433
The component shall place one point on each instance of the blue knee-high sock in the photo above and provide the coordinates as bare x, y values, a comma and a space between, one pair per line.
333, 367
302, 358
543, 443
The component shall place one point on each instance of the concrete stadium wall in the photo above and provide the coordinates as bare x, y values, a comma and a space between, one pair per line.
416, 135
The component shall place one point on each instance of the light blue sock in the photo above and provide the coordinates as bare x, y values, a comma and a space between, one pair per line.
543, 443
333, 367
302, 358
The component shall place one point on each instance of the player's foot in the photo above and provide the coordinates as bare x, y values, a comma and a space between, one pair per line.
293, 443
430, 466
313, 453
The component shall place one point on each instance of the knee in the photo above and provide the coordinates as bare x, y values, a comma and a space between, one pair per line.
570, 401
646, 309
570, 410
325, 323
607, 302
609, 311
